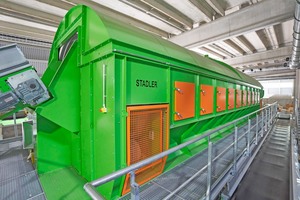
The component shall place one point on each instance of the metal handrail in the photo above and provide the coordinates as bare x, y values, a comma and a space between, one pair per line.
295, 171
296, 112
90, 187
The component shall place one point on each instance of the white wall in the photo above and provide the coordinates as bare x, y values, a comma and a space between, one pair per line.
275, 87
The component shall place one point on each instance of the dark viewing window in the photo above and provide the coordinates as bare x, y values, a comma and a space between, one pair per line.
64, 49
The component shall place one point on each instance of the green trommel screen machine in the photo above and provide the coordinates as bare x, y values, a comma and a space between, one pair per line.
114, 95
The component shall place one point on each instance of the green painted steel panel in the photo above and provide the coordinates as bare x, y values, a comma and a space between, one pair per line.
53, 146
28, 139
65, 184
146, 83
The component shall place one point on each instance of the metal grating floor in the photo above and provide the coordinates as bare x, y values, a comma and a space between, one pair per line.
18, 179
167, 182
268, 175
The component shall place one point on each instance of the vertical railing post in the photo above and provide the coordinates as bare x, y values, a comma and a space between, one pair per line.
256, 129
235, 149
276, 109
262, 123
266, 120
134, 187
209, 166
270, 116
15, 125
275, 112
267, 117
248, 137
296, 112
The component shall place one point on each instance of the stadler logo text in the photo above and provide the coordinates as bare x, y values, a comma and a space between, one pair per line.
146, 83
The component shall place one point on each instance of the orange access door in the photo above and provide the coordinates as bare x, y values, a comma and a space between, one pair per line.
230, 98
221, 99
249, 98
147, 134
184, 100
244, 93
206, 99
238, 98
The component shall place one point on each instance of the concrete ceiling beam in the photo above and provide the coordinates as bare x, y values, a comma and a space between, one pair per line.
275, 54
121, 17
282, 72
216, 6
22, 30
28, 14
248, 19
220, 50
172, 13
234, 46
272, 36
59, 3
205, 9
262, 35
153, 12
209, 51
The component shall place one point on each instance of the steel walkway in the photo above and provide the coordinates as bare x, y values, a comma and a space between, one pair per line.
168, 182
18, 178
269, 175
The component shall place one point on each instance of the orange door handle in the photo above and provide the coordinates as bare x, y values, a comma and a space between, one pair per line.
179, 115
179, 90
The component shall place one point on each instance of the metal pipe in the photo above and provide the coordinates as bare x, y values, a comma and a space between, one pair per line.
91, 190
135, 193
294, 63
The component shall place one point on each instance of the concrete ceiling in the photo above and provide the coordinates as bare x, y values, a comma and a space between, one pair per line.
252, 35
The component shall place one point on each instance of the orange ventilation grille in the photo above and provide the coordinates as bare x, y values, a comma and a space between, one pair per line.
147, 135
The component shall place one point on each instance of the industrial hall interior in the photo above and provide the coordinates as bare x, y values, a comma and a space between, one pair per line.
149, 99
